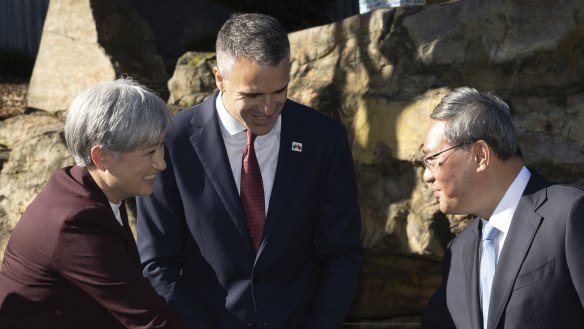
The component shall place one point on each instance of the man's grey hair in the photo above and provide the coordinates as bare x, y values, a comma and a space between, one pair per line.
119, 116
257, 38
472, 115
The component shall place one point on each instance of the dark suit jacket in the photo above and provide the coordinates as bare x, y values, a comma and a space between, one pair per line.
70, 264
539, 281
196, 248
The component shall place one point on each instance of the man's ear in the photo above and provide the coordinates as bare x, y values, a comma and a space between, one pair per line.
219, 81
481, 153
99, 157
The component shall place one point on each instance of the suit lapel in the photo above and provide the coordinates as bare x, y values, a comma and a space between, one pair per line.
523, 228
207, 141
470, 256
287, 163
82, 176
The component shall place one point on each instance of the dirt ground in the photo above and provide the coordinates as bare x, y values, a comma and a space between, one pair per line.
12, 97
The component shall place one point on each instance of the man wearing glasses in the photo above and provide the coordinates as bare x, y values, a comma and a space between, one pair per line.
520, 263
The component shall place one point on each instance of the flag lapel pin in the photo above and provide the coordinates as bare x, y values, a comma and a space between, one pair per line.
297, 147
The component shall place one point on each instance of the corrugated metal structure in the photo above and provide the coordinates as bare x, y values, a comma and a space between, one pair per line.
21, 22
21, 25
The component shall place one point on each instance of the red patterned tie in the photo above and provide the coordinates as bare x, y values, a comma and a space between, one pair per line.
252, 192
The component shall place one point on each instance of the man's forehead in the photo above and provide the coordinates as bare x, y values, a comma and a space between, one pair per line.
435, 137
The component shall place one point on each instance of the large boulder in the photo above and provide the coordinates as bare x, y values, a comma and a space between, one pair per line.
87, 41
193, 79
37, 150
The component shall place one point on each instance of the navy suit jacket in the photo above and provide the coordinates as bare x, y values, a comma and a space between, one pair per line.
194, 242
69, 264
539, 280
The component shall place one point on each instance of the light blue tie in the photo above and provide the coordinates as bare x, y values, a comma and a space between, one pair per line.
490, 260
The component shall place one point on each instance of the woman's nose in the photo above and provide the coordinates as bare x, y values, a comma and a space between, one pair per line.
158, 161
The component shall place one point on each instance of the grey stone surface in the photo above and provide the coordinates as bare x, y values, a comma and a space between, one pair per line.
87, 41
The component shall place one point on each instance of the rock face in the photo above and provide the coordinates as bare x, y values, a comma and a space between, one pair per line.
381, 74
87, 41
37, 150
193, 79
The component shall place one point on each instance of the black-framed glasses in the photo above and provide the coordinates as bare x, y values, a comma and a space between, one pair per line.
429, 160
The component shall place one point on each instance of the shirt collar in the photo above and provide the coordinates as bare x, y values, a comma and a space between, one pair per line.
503, 214
229, 125
116, 210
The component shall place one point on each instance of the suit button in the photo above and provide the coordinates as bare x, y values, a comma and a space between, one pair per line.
257, 278
252, 325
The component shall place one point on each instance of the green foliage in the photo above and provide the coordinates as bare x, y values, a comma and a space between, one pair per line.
200, 56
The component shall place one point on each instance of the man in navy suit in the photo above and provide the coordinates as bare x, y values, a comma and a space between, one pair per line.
297, 267
520, 263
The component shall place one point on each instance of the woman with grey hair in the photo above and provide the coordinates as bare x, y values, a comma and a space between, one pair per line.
72, 261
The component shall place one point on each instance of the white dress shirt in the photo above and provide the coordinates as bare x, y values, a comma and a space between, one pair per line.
266, 147
502, 216
116, 210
